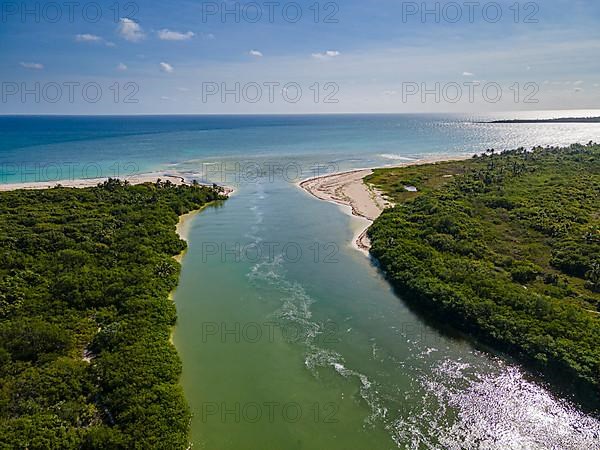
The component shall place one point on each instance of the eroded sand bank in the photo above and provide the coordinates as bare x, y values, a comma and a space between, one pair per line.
349, 189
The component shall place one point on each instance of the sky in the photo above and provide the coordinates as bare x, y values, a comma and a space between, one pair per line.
227, 57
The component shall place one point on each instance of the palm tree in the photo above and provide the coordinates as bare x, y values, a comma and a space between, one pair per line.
593, 276
594, 273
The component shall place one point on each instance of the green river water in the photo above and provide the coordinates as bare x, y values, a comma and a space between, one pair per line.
292, 339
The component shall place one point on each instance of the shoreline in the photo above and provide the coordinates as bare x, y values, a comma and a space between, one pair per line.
348, 190
183, 231
150, 177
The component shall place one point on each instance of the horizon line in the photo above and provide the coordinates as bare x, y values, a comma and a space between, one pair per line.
286, 114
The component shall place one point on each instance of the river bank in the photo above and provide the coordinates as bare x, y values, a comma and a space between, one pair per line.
363, 352
349, 190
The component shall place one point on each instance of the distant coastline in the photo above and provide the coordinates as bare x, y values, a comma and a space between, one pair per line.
558, 120
151, 177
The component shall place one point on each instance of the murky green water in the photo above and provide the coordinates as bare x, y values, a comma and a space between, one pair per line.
291, 339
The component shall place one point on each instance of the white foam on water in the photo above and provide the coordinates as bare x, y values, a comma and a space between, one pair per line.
295, 302
296, 310
396, 156
320, 357
453, 404
266, 270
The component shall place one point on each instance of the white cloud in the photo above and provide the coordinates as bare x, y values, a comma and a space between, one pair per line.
130, 30
32, 66
165, 98
578, 83
110, 44
390, 93
327, 55
87, 38
468, 74
166, 67
255, 53
578, 89
121, 67
168, 35
209, 36
183, 89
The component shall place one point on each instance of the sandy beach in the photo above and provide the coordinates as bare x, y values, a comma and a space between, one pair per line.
151, 177
348, 189
184, 220
91, 182
183, 230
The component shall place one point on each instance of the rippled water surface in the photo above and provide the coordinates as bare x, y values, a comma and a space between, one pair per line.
343, 342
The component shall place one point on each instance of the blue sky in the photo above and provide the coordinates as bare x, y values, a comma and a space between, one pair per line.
358, 56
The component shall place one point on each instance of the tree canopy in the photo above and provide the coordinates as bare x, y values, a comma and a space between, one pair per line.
505, 246
85, 316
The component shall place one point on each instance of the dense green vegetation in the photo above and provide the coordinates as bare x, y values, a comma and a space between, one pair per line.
85, 316
505, 246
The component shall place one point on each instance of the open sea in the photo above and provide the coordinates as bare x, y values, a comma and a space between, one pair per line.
290, 338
